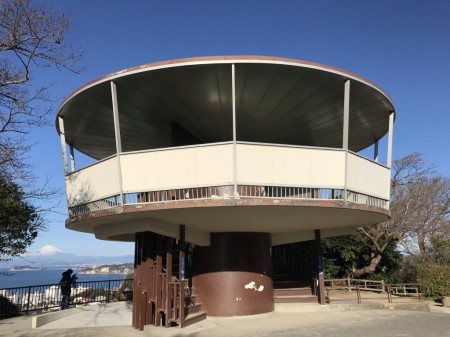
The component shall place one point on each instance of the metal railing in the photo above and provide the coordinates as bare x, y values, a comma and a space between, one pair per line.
194, 193
227, 192
349, 284
36, 299
360, 198
96, 205
409, 290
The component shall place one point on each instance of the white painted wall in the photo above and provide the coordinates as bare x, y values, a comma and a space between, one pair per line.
290, 166
178, 168
212, 165
94, 182
367, 177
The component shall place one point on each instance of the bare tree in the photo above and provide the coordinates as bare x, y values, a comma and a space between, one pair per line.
419, 206
427, 204
32, 36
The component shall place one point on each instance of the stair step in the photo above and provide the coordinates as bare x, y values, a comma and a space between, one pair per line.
191, 300
294, 295
288, 284
304, 291
295, 299
195, 318
192, 309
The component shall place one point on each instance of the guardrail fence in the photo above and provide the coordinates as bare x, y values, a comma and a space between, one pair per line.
36, 299
391, 292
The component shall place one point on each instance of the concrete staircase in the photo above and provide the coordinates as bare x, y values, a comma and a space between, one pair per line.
193, 310
294, 295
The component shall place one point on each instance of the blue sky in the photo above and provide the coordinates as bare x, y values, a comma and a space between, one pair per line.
402, 46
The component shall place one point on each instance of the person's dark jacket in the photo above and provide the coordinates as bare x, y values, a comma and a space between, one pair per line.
66, 282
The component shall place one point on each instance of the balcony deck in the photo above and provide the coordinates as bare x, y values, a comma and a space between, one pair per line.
205, 188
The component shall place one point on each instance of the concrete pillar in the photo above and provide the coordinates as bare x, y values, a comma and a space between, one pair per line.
233, 276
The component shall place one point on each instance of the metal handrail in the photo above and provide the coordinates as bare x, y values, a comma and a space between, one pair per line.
226, 192
40, 298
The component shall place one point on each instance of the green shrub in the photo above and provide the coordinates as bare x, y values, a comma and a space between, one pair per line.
434, 279
8, 309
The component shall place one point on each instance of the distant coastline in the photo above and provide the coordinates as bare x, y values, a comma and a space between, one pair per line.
24, 268
124, 268
47, 276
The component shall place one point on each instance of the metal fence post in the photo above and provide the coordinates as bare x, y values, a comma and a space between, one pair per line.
28, 300
109, 291
358, 294
389, 294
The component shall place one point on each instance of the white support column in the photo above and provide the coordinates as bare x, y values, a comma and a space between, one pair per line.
346, 115
72, 159
390, 137
375, 151
62, 137
233, 90
345, 131
117, 136
116, 117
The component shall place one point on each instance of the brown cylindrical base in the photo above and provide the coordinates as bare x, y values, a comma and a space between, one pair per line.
233, 276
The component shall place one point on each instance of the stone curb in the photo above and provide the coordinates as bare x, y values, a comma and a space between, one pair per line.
294, 307
38, 321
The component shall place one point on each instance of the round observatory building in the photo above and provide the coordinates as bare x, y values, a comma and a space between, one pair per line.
225, 172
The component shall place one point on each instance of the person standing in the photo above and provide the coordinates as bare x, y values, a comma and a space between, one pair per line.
66, 283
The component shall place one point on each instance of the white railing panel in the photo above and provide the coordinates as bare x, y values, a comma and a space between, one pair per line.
367, 177
176, 168
93, 182
292, 166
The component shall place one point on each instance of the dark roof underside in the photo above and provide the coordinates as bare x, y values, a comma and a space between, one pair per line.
275, 103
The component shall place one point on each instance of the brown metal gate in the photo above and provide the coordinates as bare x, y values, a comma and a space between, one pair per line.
159, 290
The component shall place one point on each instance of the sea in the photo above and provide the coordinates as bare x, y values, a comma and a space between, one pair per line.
47, 276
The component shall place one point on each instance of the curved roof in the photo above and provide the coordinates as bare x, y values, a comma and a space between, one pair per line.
189, 101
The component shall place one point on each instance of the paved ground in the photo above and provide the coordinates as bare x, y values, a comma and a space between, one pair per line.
112, 319
367, 323
289, 321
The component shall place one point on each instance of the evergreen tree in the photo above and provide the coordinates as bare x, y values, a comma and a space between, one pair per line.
19, 220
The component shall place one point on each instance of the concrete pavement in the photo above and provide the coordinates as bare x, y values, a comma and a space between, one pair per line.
350, 320
113, 319
335, 320
367, 323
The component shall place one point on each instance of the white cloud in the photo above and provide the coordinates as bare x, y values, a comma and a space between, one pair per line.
48, 250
